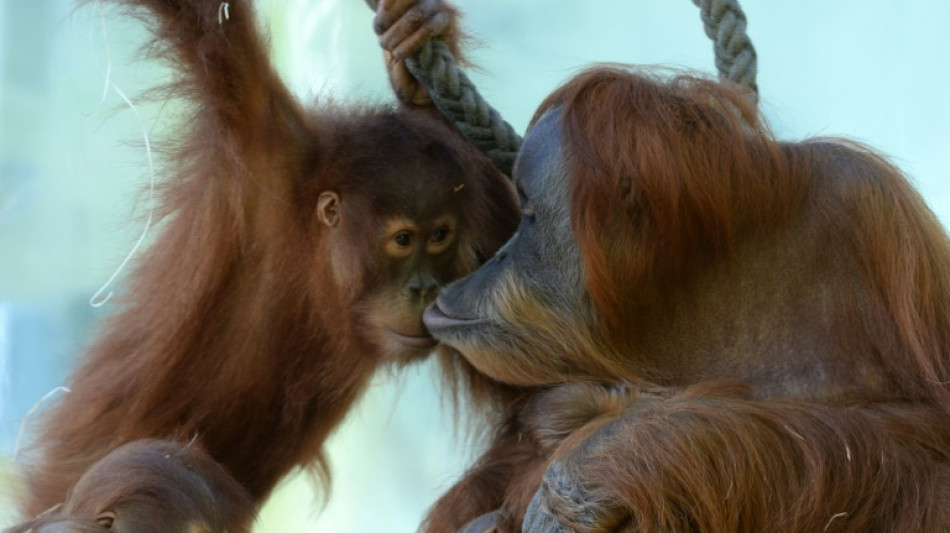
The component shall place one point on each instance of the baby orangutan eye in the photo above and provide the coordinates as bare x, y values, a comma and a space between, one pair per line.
106, 520
439, 235
403, 239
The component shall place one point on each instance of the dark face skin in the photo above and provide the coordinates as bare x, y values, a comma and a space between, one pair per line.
502, 313
526, 317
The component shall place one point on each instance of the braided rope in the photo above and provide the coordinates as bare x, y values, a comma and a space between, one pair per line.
454, 94
457, 98
736, 61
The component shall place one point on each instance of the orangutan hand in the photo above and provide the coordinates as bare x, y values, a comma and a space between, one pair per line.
403, 27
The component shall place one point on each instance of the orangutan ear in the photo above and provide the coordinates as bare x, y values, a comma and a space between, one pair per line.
328, 208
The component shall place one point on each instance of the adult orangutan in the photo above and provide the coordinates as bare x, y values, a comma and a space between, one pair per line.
298, 252
770, 322
150, 486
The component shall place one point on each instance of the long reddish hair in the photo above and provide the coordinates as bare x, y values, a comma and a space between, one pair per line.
669, 172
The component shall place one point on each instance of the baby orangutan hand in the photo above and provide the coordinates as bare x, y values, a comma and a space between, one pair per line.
403, 27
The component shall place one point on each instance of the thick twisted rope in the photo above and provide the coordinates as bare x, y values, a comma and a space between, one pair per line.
456, 97
736, 60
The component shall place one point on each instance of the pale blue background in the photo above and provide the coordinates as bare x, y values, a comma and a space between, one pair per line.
72, 172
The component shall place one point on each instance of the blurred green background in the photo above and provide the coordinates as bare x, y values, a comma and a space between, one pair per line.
73, 172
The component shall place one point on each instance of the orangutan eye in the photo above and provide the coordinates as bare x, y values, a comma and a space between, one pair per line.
403, 239
527, 211
439, 235
527, 206
105, 520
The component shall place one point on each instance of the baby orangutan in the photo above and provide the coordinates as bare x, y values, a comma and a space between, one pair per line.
298, 250
150, 486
